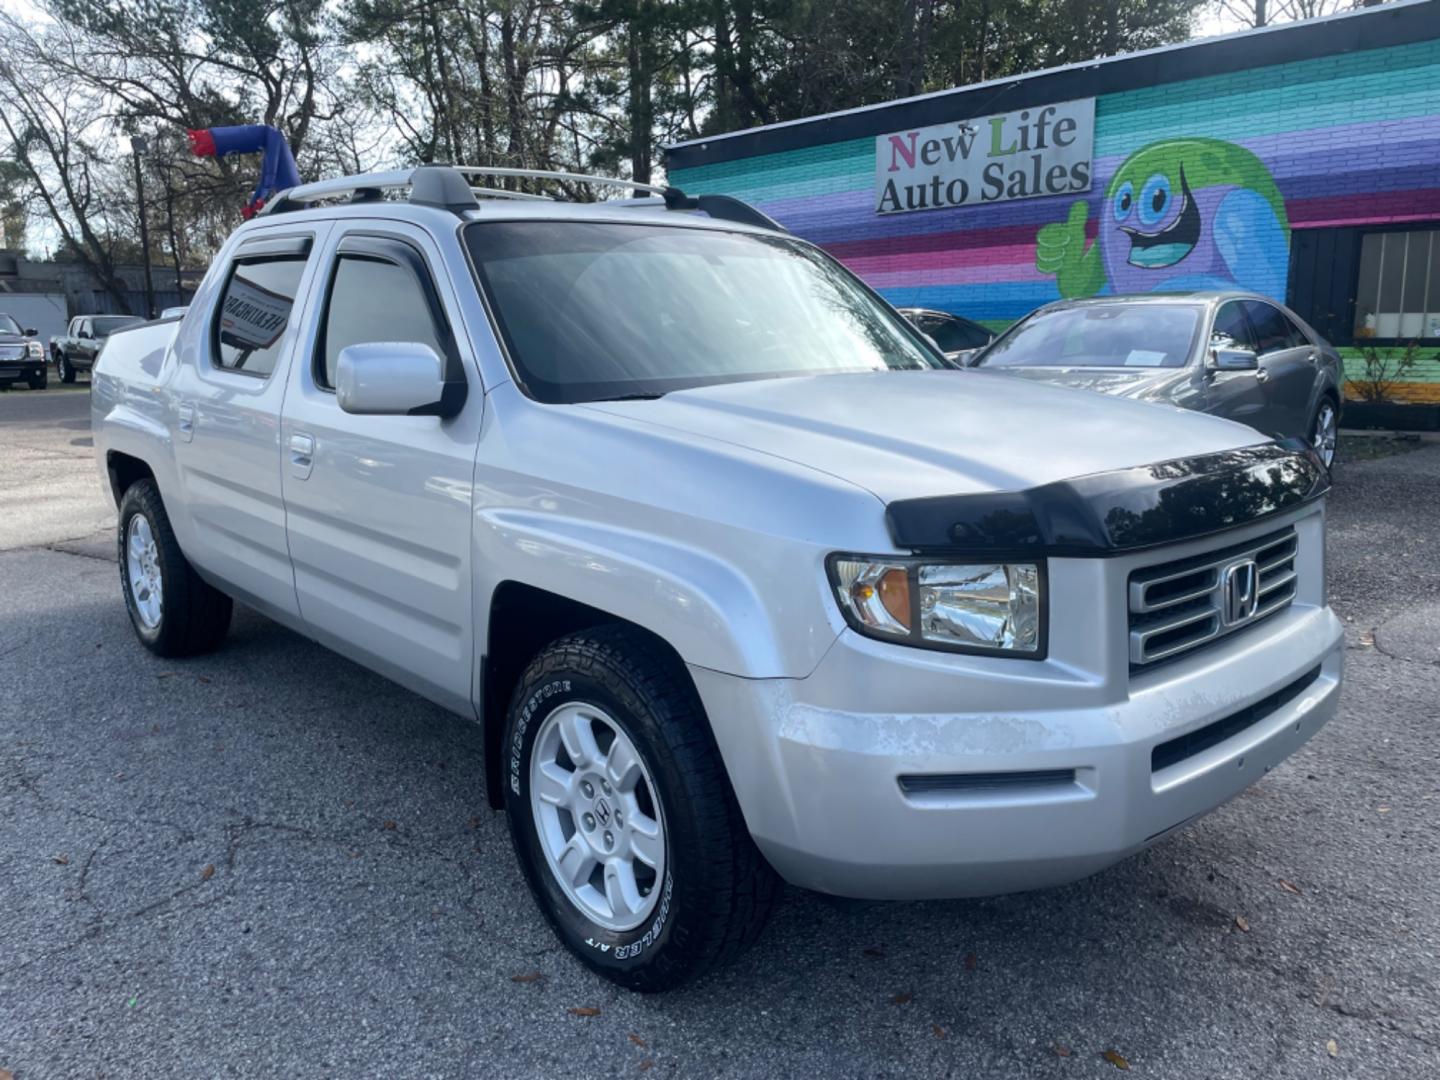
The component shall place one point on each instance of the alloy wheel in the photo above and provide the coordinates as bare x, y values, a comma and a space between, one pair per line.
598, 816
142, 567
1325, 433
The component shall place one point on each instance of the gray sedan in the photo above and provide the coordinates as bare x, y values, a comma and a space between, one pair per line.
1234, 354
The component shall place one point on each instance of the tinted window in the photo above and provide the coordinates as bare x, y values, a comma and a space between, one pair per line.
1231, 329
8, 325
374, 300
1099, 335
953, 335
254, 312
108, 324
1273, 331
593, 310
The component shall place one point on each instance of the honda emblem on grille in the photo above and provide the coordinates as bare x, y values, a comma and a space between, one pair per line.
1240, 591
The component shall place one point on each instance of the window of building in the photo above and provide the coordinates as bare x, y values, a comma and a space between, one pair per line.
254, 312
1397, 294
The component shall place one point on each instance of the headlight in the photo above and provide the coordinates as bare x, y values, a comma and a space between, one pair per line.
993, 608
35, 349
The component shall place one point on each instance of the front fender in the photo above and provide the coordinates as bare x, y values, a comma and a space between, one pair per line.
713, 614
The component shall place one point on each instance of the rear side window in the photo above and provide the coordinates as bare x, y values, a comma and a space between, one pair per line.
1273, 331
374, 299
255, 310
952, 335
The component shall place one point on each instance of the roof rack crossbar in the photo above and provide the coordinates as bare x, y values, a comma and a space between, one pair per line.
553, 174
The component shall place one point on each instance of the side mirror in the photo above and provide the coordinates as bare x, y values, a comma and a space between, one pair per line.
395, 378
963, 357
82, 333
30, 331
1233, 360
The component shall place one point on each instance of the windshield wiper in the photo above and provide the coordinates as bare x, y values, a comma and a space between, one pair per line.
627, 397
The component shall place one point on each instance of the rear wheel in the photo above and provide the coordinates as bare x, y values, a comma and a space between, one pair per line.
174, 612
1324, 431
622, 814
63, 368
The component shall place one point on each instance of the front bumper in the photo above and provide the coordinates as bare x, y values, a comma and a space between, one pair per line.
817, 763
15, 370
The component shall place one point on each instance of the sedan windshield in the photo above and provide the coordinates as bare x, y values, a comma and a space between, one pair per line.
592, 310
1099, 335
8, 325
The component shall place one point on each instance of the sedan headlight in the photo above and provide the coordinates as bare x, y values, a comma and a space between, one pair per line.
991, 608
35, 350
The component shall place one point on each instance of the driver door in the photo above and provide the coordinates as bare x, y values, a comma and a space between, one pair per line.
1236, 395
1287, 368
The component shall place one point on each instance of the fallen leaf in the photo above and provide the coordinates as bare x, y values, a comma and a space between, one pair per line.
208, 872
203, 678
1115, 1059
637, 1040
474, 823
903, 999
1367, 637
166, 675
1383, 809
390, 826
1242, 924
646, 1065
6, 1074
63, 860
971, 960
1061, 1050
874, 952
584, 1010
1332, 1048
938, 1030
533, 976
1289, 886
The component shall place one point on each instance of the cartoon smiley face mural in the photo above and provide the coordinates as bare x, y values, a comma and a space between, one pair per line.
1178, 214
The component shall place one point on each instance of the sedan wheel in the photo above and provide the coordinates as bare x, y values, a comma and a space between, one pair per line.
1324, 431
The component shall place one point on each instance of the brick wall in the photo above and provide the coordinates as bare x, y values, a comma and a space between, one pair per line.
1346, 140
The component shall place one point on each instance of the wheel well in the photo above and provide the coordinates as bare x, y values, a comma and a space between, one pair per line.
523, 620
125, 470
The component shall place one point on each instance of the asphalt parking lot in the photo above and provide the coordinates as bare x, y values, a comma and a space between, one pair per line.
270, 862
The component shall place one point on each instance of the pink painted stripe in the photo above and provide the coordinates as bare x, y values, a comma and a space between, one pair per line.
986, 274
968, 252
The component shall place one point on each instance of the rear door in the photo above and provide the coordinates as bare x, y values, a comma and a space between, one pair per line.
378, 507
227, 394
1287, 368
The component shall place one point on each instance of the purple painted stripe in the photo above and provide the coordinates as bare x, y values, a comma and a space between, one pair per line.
986, 274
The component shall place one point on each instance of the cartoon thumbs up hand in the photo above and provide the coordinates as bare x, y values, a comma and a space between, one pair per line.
1060, 250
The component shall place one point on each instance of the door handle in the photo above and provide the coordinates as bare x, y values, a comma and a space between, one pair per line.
186, 421
302, 454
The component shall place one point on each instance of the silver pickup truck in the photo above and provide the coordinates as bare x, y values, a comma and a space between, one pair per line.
742, 582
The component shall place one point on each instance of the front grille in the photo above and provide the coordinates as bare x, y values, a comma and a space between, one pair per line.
12, 352
1181, 605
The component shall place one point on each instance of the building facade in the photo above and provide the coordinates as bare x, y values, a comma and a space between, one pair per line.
1301, 161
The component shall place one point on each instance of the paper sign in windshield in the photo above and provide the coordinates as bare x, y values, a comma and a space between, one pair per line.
1144, 358
253, 317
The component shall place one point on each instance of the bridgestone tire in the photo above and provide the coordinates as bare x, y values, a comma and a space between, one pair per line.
718, 889
195, 616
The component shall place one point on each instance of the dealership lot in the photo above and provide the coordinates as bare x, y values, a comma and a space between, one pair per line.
272, 862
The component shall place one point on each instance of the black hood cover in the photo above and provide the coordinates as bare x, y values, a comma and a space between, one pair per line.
1113, 512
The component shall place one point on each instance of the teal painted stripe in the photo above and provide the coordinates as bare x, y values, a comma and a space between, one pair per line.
1303, 95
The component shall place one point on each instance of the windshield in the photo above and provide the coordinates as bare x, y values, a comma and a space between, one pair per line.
108, 324
8, 325
593, 310
1099, 335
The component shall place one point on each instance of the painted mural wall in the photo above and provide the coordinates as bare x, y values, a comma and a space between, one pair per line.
1196, 184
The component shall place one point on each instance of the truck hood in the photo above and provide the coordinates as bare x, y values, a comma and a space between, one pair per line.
903, 435
1118, 382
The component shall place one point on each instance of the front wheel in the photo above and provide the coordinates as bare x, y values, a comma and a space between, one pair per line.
1324, 431
173, 610
63, 369
622, 814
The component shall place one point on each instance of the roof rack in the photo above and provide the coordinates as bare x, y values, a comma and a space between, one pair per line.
446, 187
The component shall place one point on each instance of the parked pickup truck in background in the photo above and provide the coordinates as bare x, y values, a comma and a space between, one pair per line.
741, 579
76, 349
